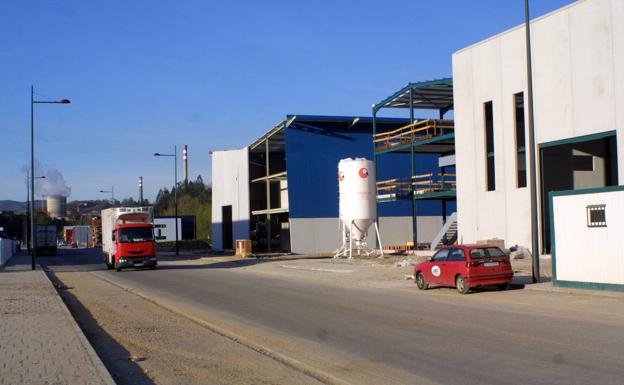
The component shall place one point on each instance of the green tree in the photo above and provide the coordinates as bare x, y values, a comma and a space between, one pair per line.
194, 198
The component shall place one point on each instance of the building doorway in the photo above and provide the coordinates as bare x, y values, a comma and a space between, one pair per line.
574, 164
226, 226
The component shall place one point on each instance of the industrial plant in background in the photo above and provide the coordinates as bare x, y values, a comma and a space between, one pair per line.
54, 192
357, 206
55, 206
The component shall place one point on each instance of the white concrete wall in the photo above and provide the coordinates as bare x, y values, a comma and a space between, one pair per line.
578, 62
589, 254
7, 250
322, 235
164, 229
230, 186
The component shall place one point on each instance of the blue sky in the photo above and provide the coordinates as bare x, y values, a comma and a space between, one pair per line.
145, 75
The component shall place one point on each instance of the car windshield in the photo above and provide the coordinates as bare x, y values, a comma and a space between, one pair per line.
136, 234
486, 252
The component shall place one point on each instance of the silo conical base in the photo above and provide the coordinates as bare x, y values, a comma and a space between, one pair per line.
351, 247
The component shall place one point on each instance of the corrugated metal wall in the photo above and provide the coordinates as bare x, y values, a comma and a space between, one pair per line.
312, 165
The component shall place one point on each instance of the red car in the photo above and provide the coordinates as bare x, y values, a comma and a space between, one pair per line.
465, 267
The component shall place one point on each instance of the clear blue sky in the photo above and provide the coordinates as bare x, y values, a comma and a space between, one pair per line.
145, 75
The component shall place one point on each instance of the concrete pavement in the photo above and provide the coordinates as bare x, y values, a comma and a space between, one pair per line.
40, 342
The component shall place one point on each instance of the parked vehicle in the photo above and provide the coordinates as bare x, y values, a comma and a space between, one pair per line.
465, 267
128, 237
46, 240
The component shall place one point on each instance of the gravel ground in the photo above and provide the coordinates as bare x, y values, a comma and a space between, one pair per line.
151, 345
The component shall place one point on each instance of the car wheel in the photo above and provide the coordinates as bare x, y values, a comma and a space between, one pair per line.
421, 282
153, 267
461, 285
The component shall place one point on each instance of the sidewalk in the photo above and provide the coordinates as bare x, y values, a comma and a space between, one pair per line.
40, 343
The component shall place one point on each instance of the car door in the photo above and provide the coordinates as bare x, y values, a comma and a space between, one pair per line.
455, 264
433, 273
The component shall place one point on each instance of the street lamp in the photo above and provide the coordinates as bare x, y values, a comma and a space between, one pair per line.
32, 164
28, 177
112, 193
175, 190
535, 200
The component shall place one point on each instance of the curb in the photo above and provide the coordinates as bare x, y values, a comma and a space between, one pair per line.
550, 288
315, 269
292, 363
93, 357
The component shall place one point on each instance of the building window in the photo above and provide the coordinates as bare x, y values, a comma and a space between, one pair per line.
521, 176
597, 216
489, 145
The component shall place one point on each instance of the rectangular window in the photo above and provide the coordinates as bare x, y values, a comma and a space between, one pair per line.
489, 145
521, 176
597, 216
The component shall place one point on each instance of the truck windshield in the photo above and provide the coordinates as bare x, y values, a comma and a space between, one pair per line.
136, 234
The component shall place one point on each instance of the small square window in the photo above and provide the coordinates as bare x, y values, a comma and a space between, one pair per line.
597, 216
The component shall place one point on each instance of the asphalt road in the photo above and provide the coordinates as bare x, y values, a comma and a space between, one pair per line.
390, 336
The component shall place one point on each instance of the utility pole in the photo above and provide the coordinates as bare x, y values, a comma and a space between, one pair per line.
535, 250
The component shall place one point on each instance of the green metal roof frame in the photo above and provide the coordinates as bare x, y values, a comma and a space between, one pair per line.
427, 95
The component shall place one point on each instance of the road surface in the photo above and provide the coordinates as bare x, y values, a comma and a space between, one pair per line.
334, 323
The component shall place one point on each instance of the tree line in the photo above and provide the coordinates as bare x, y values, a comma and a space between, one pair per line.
194, 198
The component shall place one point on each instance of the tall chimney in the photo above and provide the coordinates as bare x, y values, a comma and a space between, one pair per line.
141, 191
185, 160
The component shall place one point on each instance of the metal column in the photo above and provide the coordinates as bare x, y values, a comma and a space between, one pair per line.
413, 165
268, 195
376, 168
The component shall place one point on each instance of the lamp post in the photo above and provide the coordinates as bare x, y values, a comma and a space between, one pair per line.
28, 177
32, 164
535, 251
112, 193
175, 190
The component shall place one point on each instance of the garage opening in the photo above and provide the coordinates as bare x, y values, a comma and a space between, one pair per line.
574, 164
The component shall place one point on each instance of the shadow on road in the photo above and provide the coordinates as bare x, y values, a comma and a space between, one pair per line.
114, 356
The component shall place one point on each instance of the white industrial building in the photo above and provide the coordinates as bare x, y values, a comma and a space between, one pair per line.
578, 82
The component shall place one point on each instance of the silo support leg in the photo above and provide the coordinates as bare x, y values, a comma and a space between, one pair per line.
351, 240
379, 239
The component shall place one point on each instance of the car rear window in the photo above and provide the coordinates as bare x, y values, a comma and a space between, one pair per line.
486, 252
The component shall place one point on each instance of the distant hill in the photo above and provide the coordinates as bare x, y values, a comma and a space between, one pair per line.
15, 206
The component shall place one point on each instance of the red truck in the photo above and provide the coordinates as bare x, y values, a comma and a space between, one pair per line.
128, 237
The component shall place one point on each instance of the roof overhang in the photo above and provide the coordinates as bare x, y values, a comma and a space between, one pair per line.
428, 95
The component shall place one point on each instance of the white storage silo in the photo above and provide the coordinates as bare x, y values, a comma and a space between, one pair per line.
357, 205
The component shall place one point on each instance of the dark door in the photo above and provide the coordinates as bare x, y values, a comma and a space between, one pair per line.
226, 223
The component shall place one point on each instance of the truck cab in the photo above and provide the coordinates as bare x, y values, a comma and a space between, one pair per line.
134, 245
